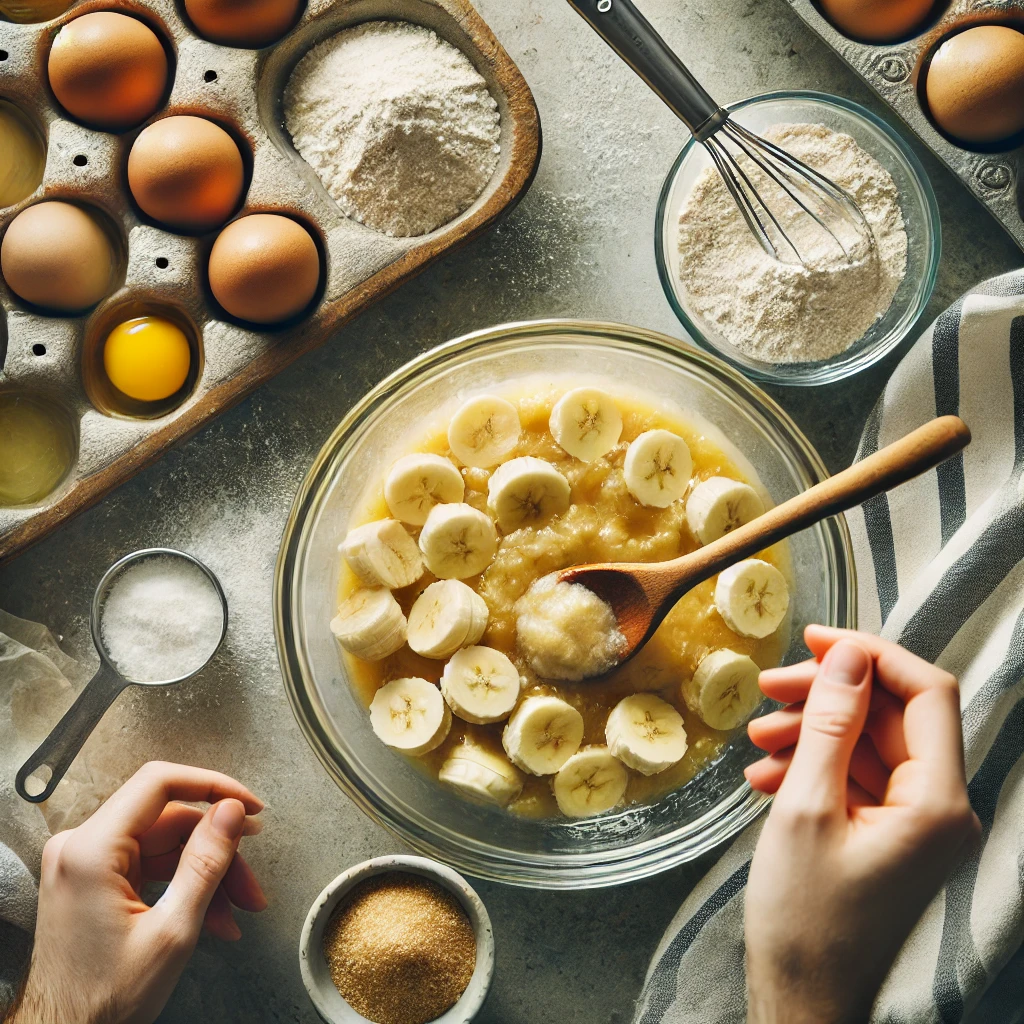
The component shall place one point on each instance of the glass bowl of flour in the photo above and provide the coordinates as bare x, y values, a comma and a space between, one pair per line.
787, 323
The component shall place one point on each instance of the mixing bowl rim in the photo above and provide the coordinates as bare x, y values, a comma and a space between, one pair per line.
559, 871
831, 370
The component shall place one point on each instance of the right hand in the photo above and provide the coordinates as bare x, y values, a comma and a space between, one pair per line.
101, 955
871, 815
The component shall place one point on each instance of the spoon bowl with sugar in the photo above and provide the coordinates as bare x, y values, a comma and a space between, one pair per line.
158, 616
641, 594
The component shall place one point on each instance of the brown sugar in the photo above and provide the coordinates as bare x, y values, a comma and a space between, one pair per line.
400, 949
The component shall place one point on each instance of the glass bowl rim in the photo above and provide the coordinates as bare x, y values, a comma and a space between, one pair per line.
830, 371
545, 871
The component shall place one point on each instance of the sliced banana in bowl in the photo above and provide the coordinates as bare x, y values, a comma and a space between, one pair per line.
526, 492
446, 616
719, 505
542, 734
646, 733
457, 541
370, 624
481, 775
418, 482
590, 782
481, 685
586, 422
752, 597
657, 468
383, 554
484, 431
724, 690
410, 715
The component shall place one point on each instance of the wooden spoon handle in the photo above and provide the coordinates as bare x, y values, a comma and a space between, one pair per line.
920, 450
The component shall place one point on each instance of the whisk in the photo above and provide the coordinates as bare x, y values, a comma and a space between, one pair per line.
633, 38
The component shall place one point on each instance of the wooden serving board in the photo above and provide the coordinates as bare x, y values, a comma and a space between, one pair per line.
241, 89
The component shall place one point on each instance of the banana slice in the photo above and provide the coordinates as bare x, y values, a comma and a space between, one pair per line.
382, 554
718, 505
752, 597
646, 733
590, 782
457, 541
417, 483
480, 685
542, 734
370, 624
724, 690
526, 492
410, 715
480, 775
586, 422
446, 616
484, 431
657, 468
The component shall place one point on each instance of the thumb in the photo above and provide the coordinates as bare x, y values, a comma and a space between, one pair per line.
203, 863
833, 719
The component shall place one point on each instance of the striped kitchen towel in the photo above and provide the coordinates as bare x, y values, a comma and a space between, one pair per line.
940, 563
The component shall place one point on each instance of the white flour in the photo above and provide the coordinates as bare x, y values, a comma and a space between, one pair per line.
782, 312
397, 123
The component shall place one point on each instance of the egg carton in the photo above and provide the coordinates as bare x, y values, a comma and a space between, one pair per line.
242, 90
894, 71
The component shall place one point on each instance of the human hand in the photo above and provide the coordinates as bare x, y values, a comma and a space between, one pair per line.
871, 815
101, 956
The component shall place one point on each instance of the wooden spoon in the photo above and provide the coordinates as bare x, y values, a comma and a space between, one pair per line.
641, 594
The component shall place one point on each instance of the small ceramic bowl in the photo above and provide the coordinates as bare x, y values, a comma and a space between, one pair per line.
316, 975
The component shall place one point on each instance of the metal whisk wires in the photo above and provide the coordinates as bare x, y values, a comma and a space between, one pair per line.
737, 152
818, 196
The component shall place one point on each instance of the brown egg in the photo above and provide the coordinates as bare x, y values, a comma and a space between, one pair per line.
57, 256
264, 268
975, 84
243, 22
108, 70
877, 21
186, 172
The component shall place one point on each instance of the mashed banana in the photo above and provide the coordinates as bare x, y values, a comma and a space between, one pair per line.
565, 631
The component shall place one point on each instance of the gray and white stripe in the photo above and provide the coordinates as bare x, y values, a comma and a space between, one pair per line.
941, 570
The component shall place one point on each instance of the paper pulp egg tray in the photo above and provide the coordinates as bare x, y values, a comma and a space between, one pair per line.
241, 89
896, 72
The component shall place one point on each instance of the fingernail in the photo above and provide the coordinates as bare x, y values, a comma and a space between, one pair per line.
846, 662
228, 818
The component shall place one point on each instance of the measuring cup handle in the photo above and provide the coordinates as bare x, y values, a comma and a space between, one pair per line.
61, 747
634, 39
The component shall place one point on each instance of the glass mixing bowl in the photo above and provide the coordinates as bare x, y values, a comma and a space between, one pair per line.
920, 216
488, 842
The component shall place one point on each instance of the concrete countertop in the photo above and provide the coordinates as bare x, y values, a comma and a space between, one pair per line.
580, 244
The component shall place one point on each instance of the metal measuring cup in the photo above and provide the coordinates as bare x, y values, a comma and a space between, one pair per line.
48, 765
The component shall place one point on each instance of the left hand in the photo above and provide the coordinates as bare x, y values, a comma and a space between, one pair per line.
101, 955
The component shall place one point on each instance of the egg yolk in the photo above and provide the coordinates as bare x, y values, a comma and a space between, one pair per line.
147, 358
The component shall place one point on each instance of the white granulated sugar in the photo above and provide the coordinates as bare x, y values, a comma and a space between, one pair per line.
161, 619
783, 312
397, 123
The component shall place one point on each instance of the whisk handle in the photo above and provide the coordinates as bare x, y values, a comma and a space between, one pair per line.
634, 39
